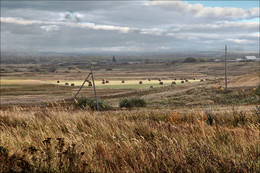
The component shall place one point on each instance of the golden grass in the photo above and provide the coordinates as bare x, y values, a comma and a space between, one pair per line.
53, 140
128, 84
21, 82
119, 82
113, 84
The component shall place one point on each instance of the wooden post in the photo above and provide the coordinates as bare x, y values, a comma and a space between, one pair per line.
78, 91
226, 67
94, 89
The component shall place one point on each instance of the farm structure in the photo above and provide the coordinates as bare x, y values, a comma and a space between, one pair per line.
247, 59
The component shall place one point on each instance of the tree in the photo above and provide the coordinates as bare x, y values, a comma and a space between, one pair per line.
114, 59
190, 59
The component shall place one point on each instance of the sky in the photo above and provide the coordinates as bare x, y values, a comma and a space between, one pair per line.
129, 26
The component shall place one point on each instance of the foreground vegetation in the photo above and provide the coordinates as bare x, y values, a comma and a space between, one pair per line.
142, 129
54, 140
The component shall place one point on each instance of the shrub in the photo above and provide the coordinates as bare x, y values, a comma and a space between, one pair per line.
257, 91
125, 103
35, 69
71, 68
202, 60
53, 68
190, 59
132, 102
91, 103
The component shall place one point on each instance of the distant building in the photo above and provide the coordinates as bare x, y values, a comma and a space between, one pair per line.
239, 59
249, 58
133, 62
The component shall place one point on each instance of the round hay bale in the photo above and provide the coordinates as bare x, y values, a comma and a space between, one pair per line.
161, 83
103, 82
107, 81
140, 82
123, 81
89, 84
182, 81
58, 81
72, 84
66, 83
173, 83
201, 80
151, 87
186, 80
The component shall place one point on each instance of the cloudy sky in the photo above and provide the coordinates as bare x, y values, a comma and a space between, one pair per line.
129, 26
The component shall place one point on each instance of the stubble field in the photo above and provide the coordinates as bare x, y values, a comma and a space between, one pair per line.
190, 127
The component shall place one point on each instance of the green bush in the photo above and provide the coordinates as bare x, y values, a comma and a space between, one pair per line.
132, 102
125, 103
91, 103
257, 91
190, 59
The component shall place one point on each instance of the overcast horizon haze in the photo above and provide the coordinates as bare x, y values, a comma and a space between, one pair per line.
129, 26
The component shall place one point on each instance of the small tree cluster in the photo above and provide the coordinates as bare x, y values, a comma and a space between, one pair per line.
91, 103
190, 59
132, 102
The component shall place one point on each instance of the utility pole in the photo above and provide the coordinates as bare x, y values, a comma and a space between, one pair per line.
92, 75
226, 67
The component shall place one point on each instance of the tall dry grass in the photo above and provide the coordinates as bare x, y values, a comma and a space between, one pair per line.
53, 140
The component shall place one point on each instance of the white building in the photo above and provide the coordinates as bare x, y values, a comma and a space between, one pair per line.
249, 58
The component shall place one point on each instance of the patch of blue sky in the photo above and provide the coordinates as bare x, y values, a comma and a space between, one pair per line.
245, 4
257, 19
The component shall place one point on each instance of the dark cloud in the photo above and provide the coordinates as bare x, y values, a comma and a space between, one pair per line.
138, 26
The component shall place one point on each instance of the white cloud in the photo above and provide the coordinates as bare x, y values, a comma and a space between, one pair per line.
104, 27
53, 25
18, 21
254, 12
198, 10
242, 41
132, 26
185, 31
49, 28
218, 27
71, 17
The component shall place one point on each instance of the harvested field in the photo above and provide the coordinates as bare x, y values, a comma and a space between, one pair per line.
250, 80
6, 82
128, 84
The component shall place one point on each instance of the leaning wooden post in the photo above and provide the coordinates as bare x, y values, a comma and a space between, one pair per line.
92, 75
78, 91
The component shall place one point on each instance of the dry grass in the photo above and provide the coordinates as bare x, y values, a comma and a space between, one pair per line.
245, 81
5, 82
128, 84
53, 140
